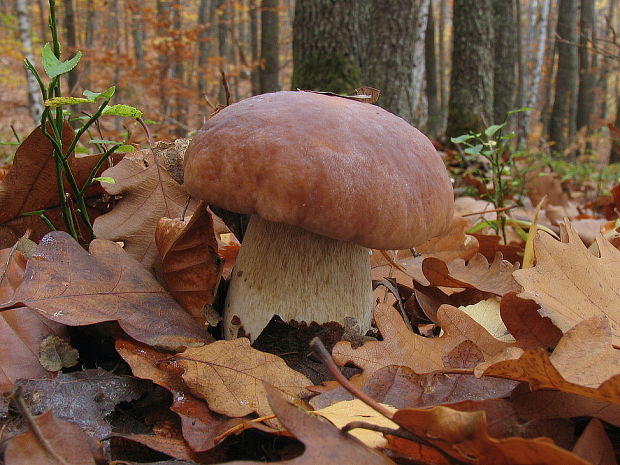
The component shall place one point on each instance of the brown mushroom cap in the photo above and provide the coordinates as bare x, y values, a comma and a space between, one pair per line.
333, 166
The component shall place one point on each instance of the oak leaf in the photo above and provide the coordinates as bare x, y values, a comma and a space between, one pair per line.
66, 284
229, 375
149, 193
422, 354
191, 265
570, 284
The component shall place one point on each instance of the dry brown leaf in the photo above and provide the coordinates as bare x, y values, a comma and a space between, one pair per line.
495, 278
191, 265
149, 193
68, 285
229, 375
489, 245
422, 354
21, 329
66, 440
570, 284
173, 446
464, 436
200, 426
595, 446
325, 444
30, 185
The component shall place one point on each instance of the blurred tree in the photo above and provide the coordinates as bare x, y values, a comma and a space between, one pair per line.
34, 101
506, 58
395, 57
254, 46
269, 50
471, 83
444, 58
433, 120
587, 65
179, 109
223, 19
328, 44
562, 123
71, 44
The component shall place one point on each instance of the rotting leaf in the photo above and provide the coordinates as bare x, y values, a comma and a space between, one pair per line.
149, 193
191, 265
229, 375
422, 354
69, 285
56, 353
570, 284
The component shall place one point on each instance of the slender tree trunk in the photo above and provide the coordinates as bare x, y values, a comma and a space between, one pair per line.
396, 55
43, 26
180, 102
587, 68
254, 73
614, 156
471, 84
269, 50
505, 51
91, 25
328, 44
137, 32
164, 23
444, 62
203, 52
71, 46
433, 121
562, 124
34, 98
223, 15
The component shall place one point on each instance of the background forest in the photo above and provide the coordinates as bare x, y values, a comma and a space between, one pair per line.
445, 66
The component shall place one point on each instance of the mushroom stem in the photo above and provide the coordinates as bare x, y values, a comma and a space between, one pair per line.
300, 276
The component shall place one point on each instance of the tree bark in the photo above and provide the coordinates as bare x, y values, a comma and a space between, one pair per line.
164, 22
178, 68
471, 83
614, 156
269, 50
562, 124
328, 44
223, 18
444, 61
203, 52
254, 47
34, 97
433, 121
396, 55
505, 51
72, 76
587, 66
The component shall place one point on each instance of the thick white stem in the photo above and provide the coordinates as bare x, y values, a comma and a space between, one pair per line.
300, 276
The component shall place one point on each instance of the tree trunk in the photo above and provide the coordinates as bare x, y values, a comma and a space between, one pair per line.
471, 83
180, 102
444, 61
91, 24
223, 18
396, 55
562, 124
328, 45
203, 52
34, 97
72, 79
269, 50
614, 156
587, 74
505, 51
163, 29
137, 32
433, 121
43, 26
254, 47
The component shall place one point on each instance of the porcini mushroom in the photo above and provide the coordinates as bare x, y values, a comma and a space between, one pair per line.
324, 178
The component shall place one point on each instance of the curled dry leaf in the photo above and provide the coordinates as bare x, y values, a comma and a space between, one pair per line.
66, 440
595, 446
570, 284
489, 245
422, 354
495, 278
464, 437
325, 444
191, 265
149, 193
69, 285
30, 185
21, 329
229, 375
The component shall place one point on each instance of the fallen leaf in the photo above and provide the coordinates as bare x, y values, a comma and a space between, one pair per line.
93, 394
487, 314
489, 245
229, 375
325, 444
173, 446
526, 324
595, 446
149, 193
495, 278
21, 330
191, 265
30, 185
68, 285
66, 440
342, 413
464, 436
422, 354
56, 353
570, 284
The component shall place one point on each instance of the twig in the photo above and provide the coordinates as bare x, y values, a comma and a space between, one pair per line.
240, 427
36, 430
495, 210
226, 89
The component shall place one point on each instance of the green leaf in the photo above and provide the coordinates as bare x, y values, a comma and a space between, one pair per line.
107, 94
122, 110
102, 141
125, 148
491, 130
53, 66
519, 110
107, 179
61, 101
475, 150
461, 139
80, 149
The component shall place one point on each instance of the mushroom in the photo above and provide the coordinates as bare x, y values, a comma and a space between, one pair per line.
325, 178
